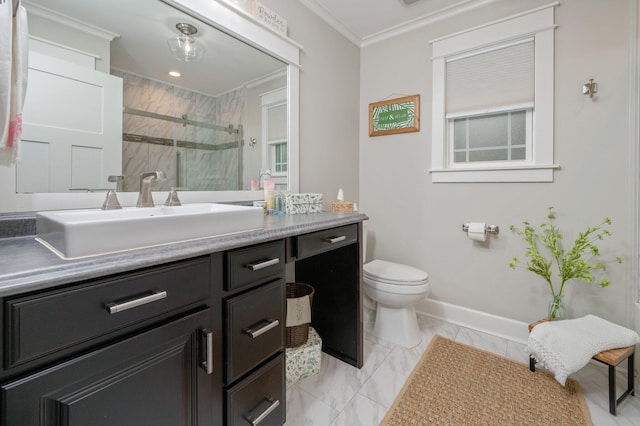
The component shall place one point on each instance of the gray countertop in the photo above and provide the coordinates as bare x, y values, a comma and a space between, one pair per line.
26, 265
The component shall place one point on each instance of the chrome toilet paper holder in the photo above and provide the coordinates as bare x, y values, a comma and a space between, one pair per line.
491, 229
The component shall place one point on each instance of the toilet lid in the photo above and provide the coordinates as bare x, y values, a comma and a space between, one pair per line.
394, 273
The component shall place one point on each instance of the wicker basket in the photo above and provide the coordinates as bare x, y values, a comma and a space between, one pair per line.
298, 335
342, 206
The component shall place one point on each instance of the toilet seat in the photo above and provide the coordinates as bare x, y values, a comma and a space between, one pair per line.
395, 274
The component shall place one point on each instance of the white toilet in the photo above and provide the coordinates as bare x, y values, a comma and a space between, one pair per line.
396, 288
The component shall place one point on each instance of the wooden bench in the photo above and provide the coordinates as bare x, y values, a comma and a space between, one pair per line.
612, 358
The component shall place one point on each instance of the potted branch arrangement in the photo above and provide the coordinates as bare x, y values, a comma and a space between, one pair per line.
546, 257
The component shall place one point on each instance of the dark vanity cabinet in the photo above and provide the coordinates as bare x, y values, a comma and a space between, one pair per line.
331, 261
191, 342
133, 349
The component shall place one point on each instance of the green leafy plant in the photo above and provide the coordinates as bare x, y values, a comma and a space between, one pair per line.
547, 258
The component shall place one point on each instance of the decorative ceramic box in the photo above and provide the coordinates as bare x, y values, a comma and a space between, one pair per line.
304, 361
302, 203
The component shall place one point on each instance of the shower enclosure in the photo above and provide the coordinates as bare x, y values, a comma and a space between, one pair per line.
194, 153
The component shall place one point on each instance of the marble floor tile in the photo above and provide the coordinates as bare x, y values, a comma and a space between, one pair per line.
361, 411
342, 395
432, 326
336, 384
375, 352
304, 409
386, 382
516, 352
484, 341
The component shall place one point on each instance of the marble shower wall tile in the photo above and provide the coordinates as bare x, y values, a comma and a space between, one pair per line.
200, 169
134, 156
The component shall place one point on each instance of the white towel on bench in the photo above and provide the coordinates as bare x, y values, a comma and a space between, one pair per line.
564, 347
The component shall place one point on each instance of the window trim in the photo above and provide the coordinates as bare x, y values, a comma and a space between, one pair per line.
269, 100
272, 156
537, 23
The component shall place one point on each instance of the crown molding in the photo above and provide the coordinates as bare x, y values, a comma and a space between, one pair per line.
458, 7
330, 19
422, 21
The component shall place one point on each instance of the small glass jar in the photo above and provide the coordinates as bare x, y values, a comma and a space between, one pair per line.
557, 309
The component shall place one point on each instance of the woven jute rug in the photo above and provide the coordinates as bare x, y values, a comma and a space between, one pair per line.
457, 384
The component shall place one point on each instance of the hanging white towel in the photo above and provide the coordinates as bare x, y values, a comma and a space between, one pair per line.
14, 53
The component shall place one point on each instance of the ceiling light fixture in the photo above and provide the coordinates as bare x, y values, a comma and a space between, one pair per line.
184, 47
175, 74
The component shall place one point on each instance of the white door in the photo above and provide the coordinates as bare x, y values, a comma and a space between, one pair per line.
72, 127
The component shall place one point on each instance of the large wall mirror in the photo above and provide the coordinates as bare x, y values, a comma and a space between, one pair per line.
193, 88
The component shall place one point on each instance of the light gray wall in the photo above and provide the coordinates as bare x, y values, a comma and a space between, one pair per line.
418, 222
329, 103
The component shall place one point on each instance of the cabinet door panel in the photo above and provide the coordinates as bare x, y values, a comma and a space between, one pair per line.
150, 379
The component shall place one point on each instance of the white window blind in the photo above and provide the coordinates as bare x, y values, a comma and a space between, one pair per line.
503, 75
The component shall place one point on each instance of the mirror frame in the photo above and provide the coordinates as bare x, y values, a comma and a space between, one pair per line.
236, 23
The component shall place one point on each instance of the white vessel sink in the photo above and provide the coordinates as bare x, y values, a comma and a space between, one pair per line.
78, 233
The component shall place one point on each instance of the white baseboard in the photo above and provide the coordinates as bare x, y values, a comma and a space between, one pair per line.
476, 320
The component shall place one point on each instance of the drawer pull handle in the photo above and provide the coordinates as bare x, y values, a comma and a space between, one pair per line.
264, 264
334, 240
207, 345
271, 323
273, 404
114, 308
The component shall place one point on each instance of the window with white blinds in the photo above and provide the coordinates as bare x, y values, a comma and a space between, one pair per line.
493, 101
487, 78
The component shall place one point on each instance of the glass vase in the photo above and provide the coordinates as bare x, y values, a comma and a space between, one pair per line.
557, 309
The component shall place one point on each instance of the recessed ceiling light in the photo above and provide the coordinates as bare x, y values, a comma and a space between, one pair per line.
175, 74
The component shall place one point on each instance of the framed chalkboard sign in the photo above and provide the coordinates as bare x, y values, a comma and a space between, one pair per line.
401, 115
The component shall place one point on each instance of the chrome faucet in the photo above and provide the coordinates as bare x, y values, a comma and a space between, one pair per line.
172, 198
111, 201
145, 198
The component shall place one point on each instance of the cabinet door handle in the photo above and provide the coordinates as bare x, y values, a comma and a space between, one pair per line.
263, 264
207, 346
271, 323
273, 404
334, 240
114, 307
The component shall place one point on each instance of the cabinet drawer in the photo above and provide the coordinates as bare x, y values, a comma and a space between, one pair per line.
328, 239
40, 324
248, 265
255, 327
260, 398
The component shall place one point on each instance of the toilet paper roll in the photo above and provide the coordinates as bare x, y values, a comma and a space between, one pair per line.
477, 231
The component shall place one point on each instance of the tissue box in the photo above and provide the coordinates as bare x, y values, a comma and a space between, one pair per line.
302, 203
304, 361
342, 206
